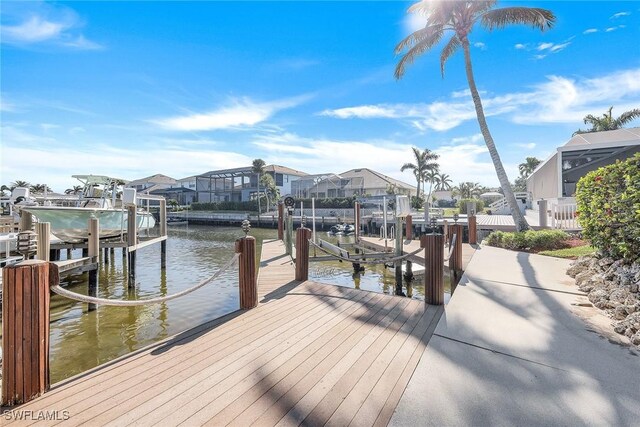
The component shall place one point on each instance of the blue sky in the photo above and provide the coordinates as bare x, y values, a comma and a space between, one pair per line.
130, 89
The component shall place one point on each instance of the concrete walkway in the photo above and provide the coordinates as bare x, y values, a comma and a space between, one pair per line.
512, 350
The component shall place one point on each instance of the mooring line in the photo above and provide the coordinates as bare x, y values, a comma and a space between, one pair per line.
118, 302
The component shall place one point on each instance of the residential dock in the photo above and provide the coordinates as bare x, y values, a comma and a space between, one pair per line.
509, 348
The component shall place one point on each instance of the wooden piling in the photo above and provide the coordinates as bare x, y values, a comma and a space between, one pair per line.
356, 219
25, 334
163, 232
302, 253
433, 245
473, 230
455, 260
409, 227
132, 240
43, 231
247, 275
280, 221
94, 251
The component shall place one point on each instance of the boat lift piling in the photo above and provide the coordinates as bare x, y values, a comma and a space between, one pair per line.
94, 251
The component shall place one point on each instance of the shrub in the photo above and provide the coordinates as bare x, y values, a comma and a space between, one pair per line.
462, 204
534, 241
417, 202
609, 208
446, 203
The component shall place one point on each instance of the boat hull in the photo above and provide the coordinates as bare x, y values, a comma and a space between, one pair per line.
71, 224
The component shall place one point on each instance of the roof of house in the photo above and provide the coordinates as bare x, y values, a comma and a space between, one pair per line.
153, 179
284, 169
373, 179
605, 137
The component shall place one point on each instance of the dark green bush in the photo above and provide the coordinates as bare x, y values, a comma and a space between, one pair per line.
609, 208
534, 241
417, 202
462, 204
250, 206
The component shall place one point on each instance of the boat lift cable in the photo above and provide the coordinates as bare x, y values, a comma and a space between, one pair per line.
452, 245
364, 261
127, 303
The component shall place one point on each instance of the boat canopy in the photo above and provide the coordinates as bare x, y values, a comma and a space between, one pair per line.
98, 179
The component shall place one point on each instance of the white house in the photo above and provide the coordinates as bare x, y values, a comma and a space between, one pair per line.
555, 179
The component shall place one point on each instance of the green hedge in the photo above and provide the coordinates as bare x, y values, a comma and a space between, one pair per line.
330, 203
462, 204
533, 241
609, 208
250, 206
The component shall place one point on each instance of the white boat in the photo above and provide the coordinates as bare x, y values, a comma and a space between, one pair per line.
100, 198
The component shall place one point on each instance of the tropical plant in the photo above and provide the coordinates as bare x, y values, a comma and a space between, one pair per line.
444, 182
17, 184
73, 190
271, 191
609, 208
462, 205
460, 18
528, 166
607, 122
432, 177
467, 190
39, 188
424, 161
257, 167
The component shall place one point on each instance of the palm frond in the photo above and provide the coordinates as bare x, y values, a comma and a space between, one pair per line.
416, 51
448, 50
627, 117
533, 16
408, 166
417, 37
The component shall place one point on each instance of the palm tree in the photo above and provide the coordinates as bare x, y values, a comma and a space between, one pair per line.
467, 190
424, 161
444, 182
460, 18
257, 167
432, 177
39, 188
73, 190
17, 184
607, 122
529, 165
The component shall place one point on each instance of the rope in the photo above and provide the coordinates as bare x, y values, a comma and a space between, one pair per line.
364, 261
452, 245
127, 303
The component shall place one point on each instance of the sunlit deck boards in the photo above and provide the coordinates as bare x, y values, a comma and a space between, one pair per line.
312, 353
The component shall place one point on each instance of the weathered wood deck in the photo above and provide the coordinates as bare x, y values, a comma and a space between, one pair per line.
309, 354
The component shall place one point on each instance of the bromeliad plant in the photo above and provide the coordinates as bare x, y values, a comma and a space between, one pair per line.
609, 208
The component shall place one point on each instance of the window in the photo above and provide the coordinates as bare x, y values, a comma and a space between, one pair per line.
279, 180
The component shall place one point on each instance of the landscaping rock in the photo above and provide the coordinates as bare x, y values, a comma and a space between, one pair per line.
613, 286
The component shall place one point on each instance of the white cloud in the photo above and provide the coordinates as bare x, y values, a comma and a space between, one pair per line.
608, 30
6, 106
553, 47
464, 158
539, 56
35, 29
590, 31
520, 46
527, 146
242, 113
44, 24
55, 165
294, 64
480, 45
557, 100
619, 15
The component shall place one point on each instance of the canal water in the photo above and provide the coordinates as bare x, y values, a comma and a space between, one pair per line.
81, 340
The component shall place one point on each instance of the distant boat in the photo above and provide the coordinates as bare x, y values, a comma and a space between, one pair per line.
100, 198
343, 229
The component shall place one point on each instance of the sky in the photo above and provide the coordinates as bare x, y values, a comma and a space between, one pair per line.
131, 89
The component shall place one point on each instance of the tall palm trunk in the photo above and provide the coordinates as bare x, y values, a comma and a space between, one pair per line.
259, 210
518, 218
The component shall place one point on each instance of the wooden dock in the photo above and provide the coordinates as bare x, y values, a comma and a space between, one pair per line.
310, 354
